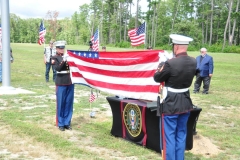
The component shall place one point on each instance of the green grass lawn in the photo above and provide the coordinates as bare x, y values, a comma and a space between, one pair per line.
28, 120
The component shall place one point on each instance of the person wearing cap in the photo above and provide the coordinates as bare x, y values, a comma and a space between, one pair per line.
90, 45
204, 71
48, 53
64, 88
11, 55
177, 75
149, 48
104, 48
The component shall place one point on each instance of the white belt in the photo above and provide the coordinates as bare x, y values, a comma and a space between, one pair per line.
177, 90
63, 72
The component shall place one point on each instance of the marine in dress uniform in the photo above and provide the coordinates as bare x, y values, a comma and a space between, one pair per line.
177, 74
64, 88
49, 52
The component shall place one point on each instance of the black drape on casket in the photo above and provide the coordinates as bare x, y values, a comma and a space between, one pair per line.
136, 121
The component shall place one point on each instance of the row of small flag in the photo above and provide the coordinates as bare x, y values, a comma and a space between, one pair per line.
136, 35
42, 33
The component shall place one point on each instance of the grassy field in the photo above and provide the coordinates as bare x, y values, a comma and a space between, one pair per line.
27, 121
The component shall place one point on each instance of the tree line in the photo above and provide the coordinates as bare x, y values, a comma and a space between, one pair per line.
213, 24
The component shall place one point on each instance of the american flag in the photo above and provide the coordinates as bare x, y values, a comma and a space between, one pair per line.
126, 74
92, 97
137, 35
95, 40
42, 32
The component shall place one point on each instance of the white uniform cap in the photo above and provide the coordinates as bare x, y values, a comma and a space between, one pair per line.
180, 39
60, 44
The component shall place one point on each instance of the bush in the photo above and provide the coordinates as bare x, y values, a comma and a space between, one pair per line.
231, 49
122, 44
164, 47
215, 48
192, 48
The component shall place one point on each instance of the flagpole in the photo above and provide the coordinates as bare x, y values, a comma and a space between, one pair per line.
98, 38
92, 114
145, 35
5, 24
44, 35
90, 108
90, 102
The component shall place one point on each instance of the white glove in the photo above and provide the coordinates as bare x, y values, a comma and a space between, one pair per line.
169, 56
164, 56
65, 56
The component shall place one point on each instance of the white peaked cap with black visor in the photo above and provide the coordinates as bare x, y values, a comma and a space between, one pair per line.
180, 39
60, 44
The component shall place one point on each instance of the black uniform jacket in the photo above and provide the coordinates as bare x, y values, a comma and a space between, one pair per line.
62, 71
177, 73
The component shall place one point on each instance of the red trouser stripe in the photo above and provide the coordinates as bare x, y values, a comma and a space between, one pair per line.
163, 139
56, 106
144, 126
123, 125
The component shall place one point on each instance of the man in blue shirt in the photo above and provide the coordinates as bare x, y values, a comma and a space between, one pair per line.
204, 71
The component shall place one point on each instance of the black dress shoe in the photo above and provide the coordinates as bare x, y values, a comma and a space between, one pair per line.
68, 127
61, 128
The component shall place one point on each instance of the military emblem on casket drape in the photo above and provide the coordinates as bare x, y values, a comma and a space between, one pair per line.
132, 119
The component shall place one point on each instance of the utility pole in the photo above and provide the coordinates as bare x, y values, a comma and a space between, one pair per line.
6, 71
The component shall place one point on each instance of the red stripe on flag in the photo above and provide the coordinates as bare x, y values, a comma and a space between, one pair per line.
132, 88
122, 74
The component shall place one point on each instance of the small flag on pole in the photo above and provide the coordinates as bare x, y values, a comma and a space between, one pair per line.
92, 97
95, 40
137, 35
42, 32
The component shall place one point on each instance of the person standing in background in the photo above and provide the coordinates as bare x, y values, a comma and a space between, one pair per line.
64, 88
11, 59
149, 48
204, 71
11, 55
48, 53
104, 48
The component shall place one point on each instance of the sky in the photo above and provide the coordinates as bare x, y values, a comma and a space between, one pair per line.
39, 8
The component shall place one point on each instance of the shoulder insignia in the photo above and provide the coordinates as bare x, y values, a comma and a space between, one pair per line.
161, 69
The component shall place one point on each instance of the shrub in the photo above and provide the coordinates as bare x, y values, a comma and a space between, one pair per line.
231, 49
